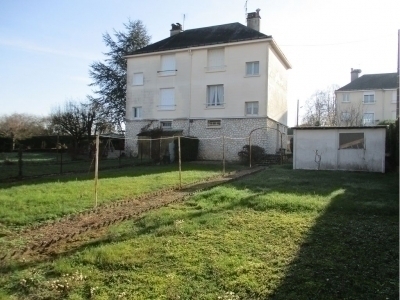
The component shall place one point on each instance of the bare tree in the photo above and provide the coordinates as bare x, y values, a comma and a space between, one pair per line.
321, 108
350, 116
78, 120
22, 126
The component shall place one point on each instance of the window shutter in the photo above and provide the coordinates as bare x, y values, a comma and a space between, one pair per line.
216, 57
138, 79
167, 99
168, 63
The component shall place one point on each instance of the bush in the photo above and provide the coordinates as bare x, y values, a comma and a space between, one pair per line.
189, 148
257, 154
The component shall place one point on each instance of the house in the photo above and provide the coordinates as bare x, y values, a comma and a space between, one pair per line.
223, 80
367, 100
353, 148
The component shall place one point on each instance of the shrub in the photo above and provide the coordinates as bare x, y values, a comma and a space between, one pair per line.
257, 154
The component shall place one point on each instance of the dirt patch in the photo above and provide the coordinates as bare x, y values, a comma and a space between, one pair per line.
74, 231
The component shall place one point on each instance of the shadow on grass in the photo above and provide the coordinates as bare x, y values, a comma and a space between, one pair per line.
351, 252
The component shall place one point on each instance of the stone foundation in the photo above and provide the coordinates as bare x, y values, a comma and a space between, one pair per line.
233, 131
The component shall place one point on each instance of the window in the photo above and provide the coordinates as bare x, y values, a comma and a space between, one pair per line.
137, 112
251, 108
252, 68
137, 79
213, 123
369, 98
167, 99
351, 140
166, 124
215, 60
345, 116
394, 97
368, 119
168, 66
215, 95
346, 97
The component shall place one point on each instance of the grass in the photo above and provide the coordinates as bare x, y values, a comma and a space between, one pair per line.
37, 164
43, 199
280, 234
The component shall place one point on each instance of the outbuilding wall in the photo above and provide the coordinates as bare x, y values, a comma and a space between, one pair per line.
318, 148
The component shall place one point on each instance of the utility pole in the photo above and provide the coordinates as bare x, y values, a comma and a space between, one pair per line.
297, 121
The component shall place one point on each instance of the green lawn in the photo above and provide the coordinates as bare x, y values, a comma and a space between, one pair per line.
45, 163
279, 234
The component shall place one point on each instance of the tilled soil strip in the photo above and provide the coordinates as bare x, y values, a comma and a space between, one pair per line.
75, 230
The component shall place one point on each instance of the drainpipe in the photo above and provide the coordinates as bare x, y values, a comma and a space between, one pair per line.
190, 88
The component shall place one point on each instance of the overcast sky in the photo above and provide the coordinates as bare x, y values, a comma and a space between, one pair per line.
46, 46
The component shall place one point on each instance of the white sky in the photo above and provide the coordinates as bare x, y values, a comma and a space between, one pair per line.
46, 46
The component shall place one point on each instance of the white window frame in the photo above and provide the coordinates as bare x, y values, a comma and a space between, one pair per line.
137, 112
252, 68
168, 65
253, 106
346, 97
164, 124
167, 99
215, 96
216, 60
345, 116
369, 95
372, 122
137, 79
214, 123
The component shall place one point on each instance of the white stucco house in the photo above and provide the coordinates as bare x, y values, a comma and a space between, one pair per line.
355, 148
367, 100
223, 80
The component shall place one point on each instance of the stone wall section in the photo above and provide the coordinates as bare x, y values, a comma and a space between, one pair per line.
234, 130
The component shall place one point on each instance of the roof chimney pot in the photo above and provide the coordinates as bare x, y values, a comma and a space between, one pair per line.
175, 29
253, 20
354, 73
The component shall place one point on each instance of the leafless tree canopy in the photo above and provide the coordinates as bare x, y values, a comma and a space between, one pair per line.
321, 108
22, 126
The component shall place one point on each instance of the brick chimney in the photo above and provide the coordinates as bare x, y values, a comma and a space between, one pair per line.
253, 20
176, 28
354, 73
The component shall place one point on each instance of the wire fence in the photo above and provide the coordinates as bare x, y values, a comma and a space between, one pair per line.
222, 150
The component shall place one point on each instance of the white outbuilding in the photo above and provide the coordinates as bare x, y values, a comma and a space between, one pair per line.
339, 148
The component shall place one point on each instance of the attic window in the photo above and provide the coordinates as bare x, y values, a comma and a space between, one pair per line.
351, 140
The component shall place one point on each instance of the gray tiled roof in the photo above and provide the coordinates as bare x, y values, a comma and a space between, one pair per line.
372, 82
220, 34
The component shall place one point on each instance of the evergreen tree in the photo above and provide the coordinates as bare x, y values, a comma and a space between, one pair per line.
110, 76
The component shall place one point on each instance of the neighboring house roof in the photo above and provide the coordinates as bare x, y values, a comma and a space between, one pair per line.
227, 33
372, 82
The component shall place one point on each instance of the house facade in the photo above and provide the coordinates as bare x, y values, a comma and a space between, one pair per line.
367, 100
223, 80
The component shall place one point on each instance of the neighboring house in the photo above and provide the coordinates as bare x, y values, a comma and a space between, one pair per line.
355, 148
367, 100
223, 80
